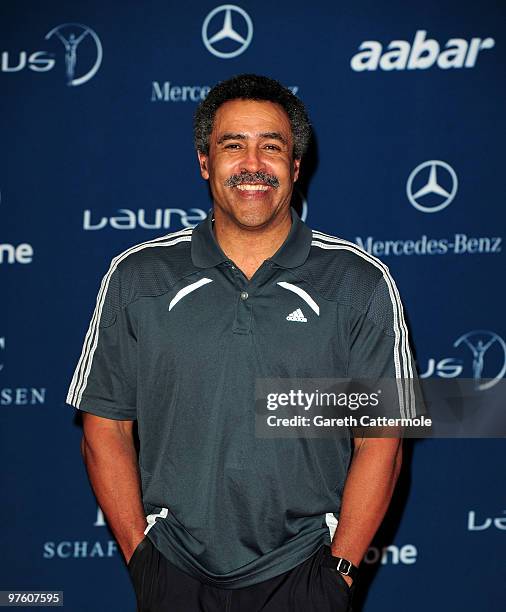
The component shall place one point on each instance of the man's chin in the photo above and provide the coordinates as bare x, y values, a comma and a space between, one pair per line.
252, 220
251, 214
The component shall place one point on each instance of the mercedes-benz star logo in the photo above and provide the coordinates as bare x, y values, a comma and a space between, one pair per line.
435, 194
241, 36
71, 35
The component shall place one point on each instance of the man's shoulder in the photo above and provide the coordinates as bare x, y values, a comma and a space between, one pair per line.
344, 256
341, 270
150, 268
170, 249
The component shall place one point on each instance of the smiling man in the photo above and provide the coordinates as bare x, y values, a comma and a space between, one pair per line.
250, 163
209, 516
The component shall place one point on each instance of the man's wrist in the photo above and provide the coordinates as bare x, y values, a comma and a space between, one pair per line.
129, 549
342, 565
339, 552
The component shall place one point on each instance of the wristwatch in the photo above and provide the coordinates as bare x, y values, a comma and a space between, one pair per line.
343, 566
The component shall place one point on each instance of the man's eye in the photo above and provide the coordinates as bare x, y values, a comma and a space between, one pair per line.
273, 147
233, 146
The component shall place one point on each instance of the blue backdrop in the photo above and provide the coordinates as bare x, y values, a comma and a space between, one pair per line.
407, 101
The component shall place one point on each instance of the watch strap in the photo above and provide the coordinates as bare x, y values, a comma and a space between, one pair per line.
343, 566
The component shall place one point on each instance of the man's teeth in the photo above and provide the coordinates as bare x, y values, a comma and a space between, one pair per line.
252, 187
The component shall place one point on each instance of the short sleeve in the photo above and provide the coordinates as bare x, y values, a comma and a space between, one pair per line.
105, 379
380, 354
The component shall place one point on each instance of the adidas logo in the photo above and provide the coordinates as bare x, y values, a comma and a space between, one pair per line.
297, 315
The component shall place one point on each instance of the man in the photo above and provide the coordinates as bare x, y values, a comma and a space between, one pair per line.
184, 326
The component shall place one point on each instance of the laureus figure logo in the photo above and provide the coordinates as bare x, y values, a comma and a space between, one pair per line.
71, 35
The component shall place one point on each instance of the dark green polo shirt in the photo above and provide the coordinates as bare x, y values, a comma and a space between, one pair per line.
177, 340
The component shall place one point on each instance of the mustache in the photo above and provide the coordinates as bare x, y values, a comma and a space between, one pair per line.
253, 178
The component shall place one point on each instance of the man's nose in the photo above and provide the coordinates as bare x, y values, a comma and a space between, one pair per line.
252, 160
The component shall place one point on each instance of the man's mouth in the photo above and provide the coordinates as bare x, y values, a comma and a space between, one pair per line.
249, 187
253, 181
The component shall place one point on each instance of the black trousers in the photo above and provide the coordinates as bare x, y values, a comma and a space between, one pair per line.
310, 587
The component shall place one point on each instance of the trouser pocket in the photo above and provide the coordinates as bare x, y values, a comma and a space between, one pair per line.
142, 545
336, 584
142, 568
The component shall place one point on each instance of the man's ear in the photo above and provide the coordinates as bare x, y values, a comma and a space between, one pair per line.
203, 164
296, 168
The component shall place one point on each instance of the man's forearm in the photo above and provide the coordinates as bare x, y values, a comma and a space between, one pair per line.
111, 461
367, 493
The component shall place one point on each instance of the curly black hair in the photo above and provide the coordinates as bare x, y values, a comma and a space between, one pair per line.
252, 87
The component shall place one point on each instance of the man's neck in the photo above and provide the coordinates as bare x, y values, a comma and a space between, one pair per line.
249, 248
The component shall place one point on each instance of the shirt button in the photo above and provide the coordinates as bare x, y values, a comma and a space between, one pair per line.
244, 295
233, 267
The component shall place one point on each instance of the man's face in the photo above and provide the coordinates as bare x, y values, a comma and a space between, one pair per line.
250, 166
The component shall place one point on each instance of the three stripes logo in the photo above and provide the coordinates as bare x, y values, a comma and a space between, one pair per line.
297, 315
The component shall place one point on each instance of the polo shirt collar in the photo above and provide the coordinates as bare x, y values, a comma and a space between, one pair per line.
295, 249
206, 252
